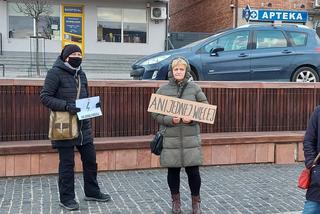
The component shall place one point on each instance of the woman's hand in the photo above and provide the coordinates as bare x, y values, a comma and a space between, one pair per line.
186, 120
176, 120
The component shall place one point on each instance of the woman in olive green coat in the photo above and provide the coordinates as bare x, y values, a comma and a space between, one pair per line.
182, 142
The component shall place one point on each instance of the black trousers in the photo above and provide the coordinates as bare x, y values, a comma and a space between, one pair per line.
66, 171
194, 179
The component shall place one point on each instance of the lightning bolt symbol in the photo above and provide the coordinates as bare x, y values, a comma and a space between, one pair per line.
88, 106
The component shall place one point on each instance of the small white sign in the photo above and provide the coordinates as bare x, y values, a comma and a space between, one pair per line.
88, 108
54, 27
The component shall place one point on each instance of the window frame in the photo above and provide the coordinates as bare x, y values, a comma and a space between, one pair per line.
33, 22
122, 25
270, 30
203, 51
288, 32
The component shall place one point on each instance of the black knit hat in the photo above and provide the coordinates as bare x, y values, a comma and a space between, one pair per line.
69, 49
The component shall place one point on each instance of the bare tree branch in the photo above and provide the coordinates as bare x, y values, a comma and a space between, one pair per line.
34, 8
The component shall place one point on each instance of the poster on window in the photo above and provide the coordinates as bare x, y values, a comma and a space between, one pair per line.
73, 25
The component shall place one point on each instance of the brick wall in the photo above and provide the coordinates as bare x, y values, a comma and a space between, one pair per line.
215, 15
277, 4
200, 15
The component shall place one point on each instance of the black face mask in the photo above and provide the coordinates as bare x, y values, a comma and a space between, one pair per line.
75, 61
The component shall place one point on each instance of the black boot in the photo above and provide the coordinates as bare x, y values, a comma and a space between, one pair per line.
176, 203
196, 204
102, 197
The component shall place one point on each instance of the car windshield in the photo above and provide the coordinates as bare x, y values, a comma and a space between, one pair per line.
193, 43
199, 41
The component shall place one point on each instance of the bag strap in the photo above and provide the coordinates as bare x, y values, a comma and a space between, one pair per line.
315, 160
70, 124
79, 87
182, 90
163, 130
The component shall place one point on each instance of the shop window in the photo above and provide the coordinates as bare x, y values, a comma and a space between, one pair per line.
134, 26
49, 26
109, 25
121, 25
271, 39
22, 26
298, 38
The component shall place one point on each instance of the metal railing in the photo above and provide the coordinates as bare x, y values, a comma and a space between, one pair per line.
0, 43
37, 56
2, 65
180, 39
3, 69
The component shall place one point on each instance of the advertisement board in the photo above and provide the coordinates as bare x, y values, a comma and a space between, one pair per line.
73, 25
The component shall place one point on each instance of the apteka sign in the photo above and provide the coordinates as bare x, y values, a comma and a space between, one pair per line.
275, 15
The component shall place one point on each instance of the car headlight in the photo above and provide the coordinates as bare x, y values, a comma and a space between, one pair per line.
154, 75
155, 60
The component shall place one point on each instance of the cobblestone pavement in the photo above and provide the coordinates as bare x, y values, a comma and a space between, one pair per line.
235, 189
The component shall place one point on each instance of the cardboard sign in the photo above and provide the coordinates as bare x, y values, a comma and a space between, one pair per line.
176, 107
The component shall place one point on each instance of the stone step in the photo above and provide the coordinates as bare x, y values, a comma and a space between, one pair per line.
85, 66
86, 70
108, 66
111, 58
16, 61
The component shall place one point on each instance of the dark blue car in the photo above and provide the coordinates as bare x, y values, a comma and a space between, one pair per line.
251, 52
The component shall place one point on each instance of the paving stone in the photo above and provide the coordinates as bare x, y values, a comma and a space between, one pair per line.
237, 189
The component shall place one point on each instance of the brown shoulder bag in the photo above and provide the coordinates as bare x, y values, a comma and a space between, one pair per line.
63, 125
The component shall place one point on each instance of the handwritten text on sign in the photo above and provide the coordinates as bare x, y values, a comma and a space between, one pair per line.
176, 107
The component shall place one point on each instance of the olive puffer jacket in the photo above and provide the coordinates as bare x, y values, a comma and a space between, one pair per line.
182, 142
60, 87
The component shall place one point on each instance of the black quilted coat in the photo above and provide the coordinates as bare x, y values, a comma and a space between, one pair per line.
59, 87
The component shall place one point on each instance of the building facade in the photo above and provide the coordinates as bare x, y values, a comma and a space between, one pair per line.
212, 16
98, 26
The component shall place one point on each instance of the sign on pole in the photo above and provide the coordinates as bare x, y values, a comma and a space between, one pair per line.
73, 25
176, 107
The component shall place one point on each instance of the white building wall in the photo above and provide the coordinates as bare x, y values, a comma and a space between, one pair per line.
155, 34
3, 22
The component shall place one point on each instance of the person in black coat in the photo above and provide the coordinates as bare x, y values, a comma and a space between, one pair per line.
59, 94
311, 147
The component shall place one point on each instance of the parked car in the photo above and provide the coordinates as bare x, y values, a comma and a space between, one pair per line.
252, 52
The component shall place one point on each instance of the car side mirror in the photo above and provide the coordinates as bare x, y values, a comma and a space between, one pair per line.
214, 51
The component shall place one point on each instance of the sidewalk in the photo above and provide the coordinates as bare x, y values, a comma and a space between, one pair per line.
226, 189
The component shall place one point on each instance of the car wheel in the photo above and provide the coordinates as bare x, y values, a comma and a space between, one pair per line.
305, 74
193, 75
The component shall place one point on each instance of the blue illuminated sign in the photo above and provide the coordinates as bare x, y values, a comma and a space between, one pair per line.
275, 15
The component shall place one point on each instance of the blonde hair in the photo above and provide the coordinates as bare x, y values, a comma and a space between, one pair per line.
179, 61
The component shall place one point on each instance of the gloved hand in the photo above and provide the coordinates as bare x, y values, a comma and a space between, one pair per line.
98, 105
71, 108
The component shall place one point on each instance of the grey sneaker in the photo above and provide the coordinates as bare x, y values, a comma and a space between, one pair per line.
70, 205
102, 197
